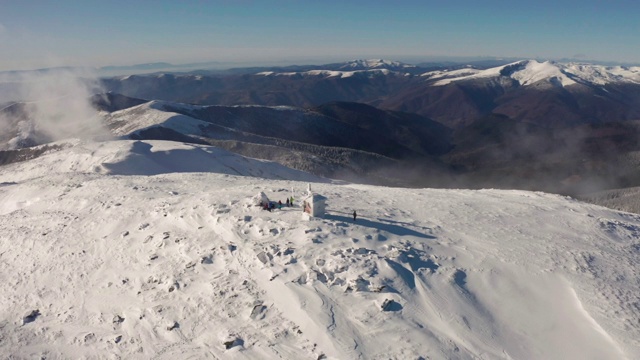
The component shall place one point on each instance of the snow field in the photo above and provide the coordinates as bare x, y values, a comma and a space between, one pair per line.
181, 265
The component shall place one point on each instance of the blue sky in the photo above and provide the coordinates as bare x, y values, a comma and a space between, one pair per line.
36, 34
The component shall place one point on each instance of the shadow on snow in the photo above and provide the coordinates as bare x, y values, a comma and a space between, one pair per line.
384, 225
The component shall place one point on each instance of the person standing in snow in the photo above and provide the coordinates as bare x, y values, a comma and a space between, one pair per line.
288, 203
354, 216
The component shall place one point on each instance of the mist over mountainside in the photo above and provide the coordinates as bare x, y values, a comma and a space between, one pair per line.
327, 141
356, 142
110, 102
565, 128
496, 151
619, 199
158, 249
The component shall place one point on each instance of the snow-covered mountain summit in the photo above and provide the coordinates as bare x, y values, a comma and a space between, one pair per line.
362, 67
530, 72
525, 72
364, 64
176, 264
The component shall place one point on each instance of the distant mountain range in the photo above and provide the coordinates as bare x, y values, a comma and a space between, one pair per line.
568, 128
342, 140
544, 93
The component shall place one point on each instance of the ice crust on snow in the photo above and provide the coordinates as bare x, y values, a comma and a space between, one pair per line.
172, 261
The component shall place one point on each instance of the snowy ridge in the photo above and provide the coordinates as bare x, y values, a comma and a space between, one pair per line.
153, 113
183, 265
351, 68
328, 73
128, 157
531, 71
604, 74
375, 63
131, 121
441, 74
534, 71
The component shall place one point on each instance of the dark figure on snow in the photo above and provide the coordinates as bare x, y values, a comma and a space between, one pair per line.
354, 216
288, 202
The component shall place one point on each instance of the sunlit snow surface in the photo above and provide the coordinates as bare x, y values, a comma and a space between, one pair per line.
141, 250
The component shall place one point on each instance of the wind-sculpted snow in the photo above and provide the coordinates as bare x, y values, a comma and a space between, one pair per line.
183, 265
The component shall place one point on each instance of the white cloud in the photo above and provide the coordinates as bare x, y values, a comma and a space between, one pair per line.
57, 107
61, 102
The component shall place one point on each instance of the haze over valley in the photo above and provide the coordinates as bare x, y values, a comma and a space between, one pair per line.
567, 128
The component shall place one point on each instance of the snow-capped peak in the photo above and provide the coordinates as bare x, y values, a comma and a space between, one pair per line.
528, 72
369, 67
330, 73
601, 75
375, 64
